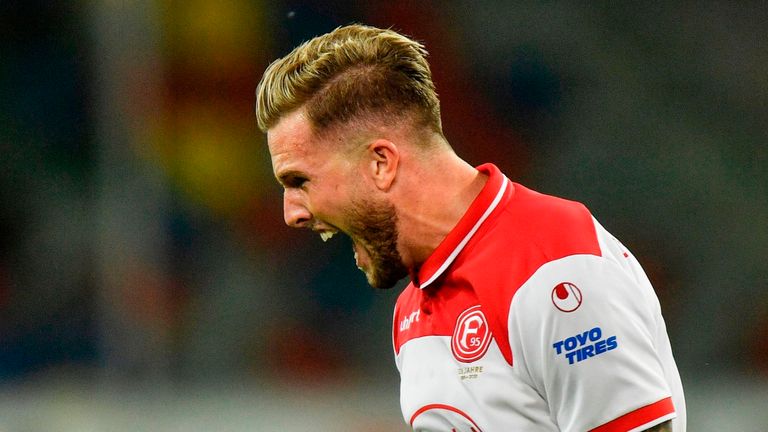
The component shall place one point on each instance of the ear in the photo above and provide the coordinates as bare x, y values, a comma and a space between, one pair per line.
383, 161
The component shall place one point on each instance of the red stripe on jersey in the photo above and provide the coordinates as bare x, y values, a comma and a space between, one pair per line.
525, 230
639, 417
426, 408
463, 228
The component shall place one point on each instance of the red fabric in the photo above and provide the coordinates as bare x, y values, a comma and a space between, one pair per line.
525, 231
638, 417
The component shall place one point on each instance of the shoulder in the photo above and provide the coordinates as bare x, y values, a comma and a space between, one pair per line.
530, 230
557, 227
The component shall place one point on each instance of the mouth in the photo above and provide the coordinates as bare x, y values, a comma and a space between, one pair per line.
326, 235
360, 253
326, 231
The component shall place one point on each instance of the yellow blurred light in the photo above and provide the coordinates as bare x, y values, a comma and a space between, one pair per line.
212, 155
212, 34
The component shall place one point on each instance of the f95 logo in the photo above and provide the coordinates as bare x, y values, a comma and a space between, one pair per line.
471, 336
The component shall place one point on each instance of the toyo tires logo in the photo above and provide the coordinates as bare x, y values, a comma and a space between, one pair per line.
471, 336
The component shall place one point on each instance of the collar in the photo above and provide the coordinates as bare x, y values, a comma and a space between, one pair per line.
482, 207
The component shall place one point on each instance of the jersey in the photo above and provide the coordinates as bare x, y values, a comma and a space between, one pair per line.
530, 316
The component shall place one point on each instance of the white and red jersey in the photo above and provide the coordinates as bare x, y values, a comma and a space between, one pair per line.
529, 316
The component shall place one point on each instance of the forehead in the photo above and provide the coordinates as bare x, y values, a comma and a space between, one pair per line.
292, 132
290, 141
293, 141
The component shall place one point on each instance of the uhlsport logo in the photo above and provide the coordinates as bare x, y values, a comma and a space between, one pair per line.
566, 297
471, 337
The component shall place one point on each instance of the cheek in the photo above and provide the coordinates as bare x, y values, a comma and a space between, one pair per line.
347, 190
336, 196
329, 202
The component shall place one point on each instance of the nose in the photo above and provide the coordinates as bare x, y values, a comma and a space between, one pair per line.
294, 211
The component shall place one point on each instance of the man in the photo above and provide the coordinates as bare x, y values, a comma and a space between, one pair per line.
523, 313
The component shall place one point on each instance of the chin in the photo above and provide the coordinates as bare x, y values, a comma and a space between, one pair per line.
383, 282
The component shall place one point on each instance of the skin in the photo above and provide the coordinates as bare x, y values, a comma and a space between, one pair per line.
332, 179
664, 427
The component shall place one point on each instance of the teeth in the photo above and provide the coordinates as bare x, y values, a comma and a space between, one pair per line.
326, 235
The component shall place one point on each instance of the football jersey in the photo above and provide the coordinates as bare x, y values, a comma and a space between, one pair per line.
530, 316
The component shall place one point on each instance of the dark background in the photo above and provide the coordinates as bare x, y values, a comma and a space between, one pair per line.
147, 280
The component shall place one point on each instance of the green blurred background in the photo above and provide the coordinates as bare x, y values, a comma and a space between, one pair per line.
148, 283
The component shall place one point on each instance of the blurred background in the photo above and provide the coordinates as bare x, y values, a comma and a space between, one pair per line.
148, 283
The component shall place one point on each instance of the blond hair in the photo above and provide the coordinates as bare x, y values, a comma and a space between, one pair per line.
355, 72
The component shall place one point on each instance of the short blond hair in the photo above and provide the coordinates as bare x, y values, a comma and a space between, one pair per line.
352, 73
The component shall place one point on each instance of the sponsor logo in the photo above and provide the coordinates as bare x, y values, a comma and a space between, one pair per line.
406, 322
585, 345
566, 297
471, 336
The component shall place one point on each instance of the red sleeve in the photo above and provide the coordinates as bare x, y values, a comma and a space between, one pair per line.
649, 415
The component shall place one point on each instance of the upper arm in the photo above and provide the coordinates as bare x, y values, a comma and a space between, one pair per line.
664, 427
589, 346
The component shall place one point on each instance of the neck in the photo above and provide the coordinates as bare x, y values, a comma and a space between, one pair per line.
434, 196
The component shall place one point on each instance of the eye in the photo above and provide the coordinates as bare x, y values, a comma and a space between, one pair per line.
295, 182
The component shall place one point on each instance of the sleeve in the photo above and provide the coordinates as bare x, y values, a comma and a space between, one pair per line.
582, 331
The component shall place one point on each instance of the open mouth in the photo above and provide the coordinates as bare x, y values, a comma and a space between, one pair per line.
326, 235
326, 231
360, 254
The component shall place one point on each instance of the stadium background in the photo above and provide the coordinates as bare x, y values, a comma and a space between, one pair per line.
147, 281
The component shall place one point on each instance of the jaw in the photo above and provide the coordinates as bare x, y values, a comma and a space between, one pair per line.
383, 268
